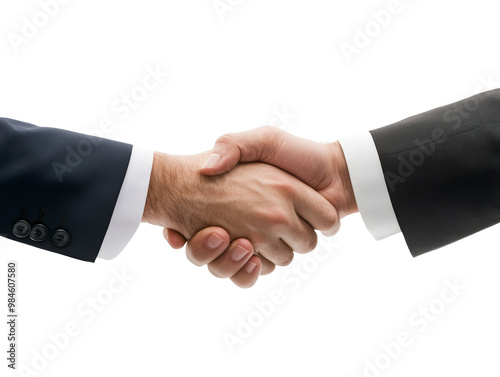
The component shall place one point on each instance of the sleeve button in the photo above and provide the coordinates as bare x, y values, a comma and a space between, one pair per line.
21, 229
39, 233
60, 238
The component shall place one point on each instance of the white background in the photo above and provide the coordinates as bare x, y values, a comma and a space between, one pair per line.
231, 72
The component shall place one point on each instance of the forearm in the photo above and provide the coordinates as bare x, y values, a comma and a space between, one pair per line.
442, 170
56, 180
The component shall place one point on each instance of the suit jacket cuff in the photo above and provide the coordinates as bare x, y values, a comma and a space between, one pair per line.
370, 189
129, 207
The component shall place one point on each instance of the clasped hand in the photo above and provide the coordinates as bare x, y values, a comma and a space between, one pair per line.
251, 202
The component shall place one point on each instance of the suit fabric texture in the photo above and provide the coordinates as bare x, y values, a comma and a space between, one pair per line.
442, 171
58, 188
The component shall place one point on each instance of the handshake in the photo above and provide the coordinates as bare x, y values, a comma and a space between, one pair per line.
251, 202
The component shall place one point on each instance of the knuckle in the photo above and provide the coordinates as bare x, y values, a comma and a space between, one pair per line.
333, 230
269, 131
331, 218
269, 136
225, 139
286, 259
284, 186
279, 255
267, 268
276, 217
311, 243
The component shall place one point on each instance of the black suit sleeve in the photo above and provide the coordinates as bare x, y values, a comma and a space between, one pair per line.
442, 170
58, 188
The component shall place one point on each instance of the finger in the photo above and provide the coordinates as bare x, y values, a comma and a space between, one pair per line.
207, 245
302, 238
232, 260
249, 273
332, 231
230, 149
315, 209
175, 239
297, 156
267, 266
278, 253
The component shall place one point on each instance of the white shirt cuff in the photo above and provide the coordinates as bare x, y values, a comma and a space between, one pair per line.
369, 186
129, 207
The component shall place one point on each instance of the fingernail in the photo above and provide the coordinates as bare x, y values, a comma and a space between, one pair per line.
212, 161
250, 267
214, 241
239, 253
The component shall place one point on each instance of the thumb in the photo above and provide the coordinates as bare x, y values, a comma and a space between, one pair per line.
230, 149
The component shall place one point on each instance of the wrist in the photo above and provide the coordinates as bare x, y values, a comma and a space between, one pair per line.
177, 194
343, 174
162, 173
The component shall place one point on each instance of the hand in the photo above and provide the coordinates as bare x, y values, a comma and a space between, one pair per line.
322, 166
212, 246
272, 209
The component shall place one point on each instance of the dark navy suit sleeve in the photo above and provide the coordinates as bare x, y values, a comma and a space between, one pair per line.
58, 189
442, 170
